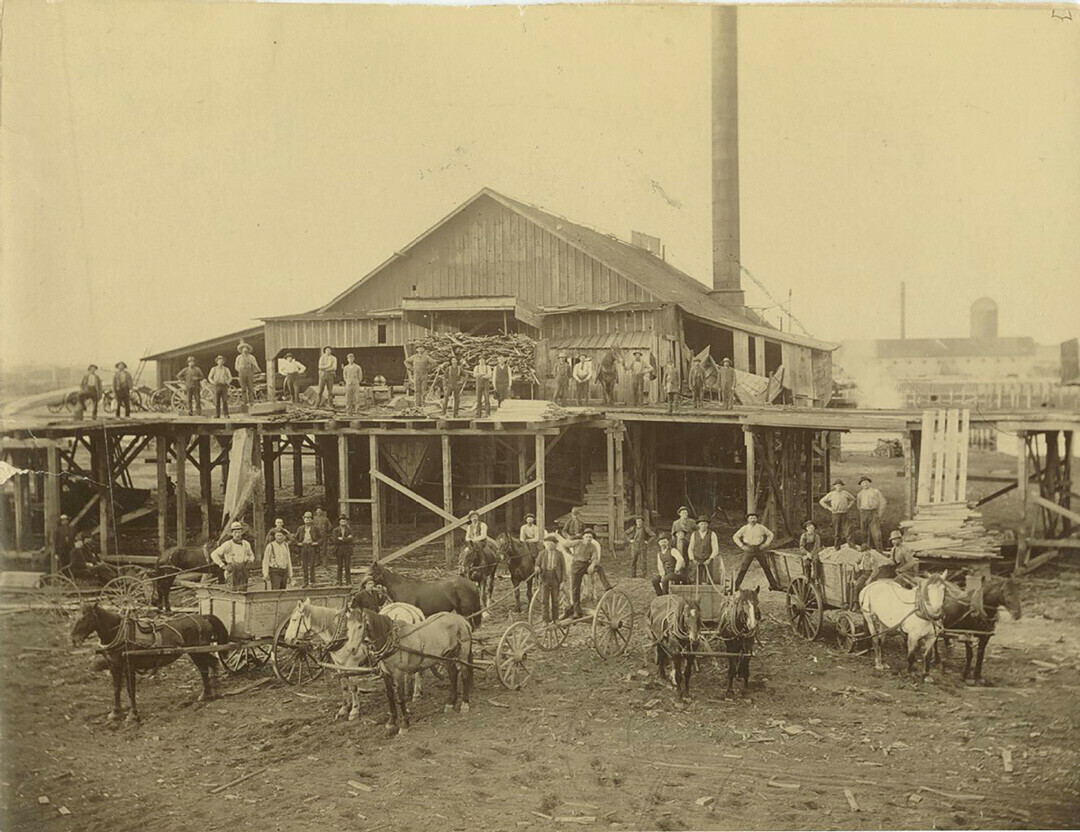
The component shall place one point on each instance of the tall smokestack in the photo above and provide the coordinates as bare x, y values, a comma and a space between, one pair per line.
727, 280
903, 310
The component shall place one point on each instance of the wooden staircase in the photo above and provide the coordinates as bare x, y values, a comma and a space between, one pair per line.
594, 512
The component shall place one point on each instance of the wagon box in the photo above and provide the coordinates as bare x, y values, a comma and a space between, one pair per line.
258, 613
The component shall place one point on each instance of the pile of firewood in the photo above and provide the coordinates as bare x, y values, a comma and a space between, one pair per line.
519, 350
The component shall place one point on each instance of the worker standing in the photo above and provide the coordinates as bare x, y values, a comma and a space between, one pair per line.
235, 555
220, 378
122, 384
63, 542
838, 503
246, 369
683, 524
585, 561
670, 566
608, 376
309, 538
703, 552
192, 378
291, 369
482, 377
353, 376
671, 384
562, 377
638, 370
421, 364
639, 536
90, 390
503, 376
277, 561
583, 375
327, 372
754, 538
697, 380
871, 504
727, 384
551, 569
453, 381
342, 537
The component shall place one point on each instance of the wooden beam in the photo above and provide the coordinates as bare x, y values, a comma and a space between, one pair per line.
269, 457
541, 478
206, 496
461, 521
103, 476
1055, 543
180, 451
962, 468
161, 451
1021, 482
555, 440
999, 493
52, 501
258, 500
1036, 562
376, 503
18, 483
909, 468
343, 476
617, 535
700, 469
298, 466
611, 515
926, 456
448, 495
412, 495
523, 464
751, 473
1050, 505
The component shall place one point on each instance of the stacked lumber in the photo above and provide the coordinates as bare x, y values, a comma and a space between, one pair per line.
519, 351
528, 410
944, 525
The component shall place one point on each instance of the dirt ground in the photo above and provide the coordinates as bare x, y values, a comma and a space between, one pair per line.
586, 739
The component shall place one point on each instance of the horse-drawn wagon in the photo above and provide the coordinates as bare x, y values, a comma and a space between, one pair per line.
808, 600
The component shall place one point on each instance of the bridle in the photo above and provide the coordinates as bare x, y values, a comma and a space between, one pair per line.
922, 600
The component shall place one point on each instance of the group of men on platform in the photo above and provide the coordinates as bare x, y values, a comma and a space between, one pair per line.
497, 378
92, 390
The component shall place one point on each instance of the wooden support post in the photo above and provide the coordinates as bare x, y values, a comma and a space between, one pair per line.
376, 503
319, 473
909, 467
269, 494
448, 495
18, 482
1022, 484
523, 471
637, 467
343, 476
298, 466
205, 485
328, 455
103, 476
541, 479
52, 500
618, 533
652, 489
180, 449
751, 473
161, 451
258, 501
808, 450
612, 515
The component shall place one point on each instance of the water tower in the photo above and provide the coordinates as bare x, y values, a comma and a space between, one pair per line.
984, 318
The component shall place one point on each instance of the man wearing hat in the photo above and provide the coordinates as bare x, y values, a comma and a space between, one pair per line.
90, 390
121, 385
638, 370
353, 376
453, 381
683, 524
476, 535
530, 533
421, 365
638, 537
670, 565
482, 377
585, 561
583, 375
608, 375
871, 504
234, 556
309, 538
838, 503
562, 377
192, 378
697, 380
342, 537
672, 385
220, 379
63, 541
703, 552
810, 547
277, 565
754, 538
903, 566
727, 384
291, 369
327, 371
502, 377
574, 525
246, 369
551, 570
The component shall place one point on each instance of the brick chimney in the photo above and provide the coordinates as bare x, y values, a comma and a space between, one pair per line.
727, 279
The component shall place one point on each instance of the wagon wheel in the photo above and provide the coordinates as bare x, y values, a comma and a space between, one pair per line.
613, 624
58, 593
805, 608
161, 400
178, 401
246, 658
128, 593
550, 635
848, 631
55, 406
296, 662
512, 655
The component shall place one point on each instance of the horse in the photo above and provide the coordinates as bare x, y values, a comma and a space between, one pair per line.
456, 594
737, 623
121, 634
521, 561
405, 613
675, 623
887, 606
176, 561
478, 564
400, 649
977, 610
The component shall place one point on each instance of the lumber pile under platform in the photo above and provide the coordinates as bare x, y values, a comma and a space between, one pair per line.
528, 410
950, 530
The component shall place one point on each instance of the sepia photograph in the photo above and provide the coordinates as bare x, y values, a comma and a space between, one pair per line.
615, 416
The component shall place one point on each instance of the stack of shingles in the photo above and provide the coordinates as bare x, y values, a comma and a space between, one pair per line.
950, 530
527, 410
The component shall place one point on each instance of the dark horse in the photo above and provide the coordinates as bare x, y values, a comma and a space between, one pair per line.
478, 564
675, 623
737, 624
119, 635
175, 562
521, 561
977, 610
455, 594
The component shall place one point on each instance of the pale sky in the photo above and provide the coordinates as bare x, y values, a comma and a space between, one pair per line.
172, 171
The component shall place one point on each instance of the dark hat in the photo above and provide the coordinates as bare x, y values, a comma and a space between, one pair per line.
637, 352
863, 479
588, 531
328, 347
191, 358
725, 361
896, 534
91, 367
241, 346
702, 519
277, 530
663, 536
220, 358
530, 516
750, 514
554, 538
838, 482
808, 523
682, 509
120, 365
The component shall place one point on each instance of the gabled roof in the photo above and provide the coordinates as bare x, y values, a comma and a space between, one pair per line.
657, 277
249, 334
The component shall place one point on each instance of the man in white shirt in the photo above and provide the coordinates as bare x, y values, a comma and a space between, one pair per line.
670, 566
277, 561
754, 539
353, 376
482, 376
704, 552
586, 561
871, 503
327, 371
219, 379
582, 375
476, 535
291, 369
234, 556
838, 503
530, 533
246, 369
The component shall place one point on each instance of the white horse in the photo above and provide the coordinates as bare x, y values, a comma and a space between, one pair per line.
887, 606
354, 654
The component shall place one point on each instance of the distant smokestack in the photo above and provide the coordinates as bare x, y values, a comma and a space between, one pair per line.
903, 310
984, 318
727, 280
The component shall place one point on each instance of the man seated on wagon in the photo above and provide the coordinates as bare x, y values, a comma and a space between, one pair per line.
530, 533
865, 568
85, 561
903, 567
370, 597
234, 556
704, 553
670, 566
586, 561
810, 547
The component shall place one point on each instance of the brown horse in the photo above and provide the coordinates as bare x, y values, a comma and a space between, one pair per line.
675, 624
175, 562
737, 623
457, 594
478, 564
120, 634
520, 558
977, 611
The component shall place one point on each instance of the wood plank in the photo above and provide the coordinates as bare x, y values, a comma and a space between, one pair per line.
1050, 505
376, 507
965, 440
180, 453
751, 472
448, 494
412, 495
952, 454
926, 456
541, 478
